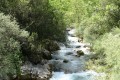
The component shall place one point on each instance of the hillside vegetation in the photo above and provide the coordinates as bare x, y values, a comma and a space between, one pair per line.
100, 25
30, 26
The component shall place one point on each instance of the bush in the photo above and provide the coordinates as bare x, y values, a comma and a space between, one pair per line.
10, 55
102, 30
93, 27
109, 46
37, 16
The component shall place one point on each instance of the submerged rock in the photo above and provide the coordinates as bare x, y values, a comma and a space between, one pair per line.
69, 53
78, 46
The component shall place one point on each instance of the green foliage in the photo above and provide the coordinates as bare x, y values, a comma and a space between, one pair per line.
10, 55
95, 28
100, 26
109, 43
97, 21
105, 16
9, 6
37, 16
63, 7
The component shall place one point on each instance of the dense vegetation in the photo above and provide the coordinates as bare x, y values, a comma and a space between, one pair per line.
35, 16
98, 22
100, 25
25, 25
9, 46
39, 21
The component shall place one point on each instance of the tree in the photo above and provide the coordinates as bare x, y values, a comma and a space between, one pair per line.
10, 47
36, 17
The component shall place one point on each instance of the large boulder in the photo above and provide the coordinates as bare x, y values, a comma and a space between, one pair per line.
80, 53
35, 72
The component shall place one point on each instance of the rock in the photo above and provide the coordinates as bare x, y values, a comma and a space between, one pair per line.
69, 53
35, 72
80, 53
78, 46
65, 61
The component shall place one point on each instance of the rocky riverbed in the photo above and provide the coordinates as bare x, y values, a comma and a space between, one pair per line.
69, 62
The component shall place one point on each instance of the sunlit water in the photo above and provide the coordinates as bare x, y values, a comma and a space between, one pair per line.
67, 65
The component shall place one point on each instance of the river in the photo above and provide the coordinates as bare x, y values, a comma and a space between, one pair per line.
67, 65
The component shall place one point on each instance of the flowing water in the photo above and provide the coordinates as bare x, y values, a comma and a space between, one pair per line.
67, 65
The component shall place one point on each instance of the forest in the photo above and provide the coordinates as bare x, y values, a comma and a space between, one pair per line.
31, 30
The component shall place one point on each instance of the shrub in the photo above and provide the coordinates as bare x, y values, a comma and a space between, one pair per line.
10, 55
92, 28
37, 16
109, 43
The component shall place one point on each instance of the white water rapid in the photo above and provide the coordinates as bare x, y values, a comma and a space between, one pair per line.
67, 65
